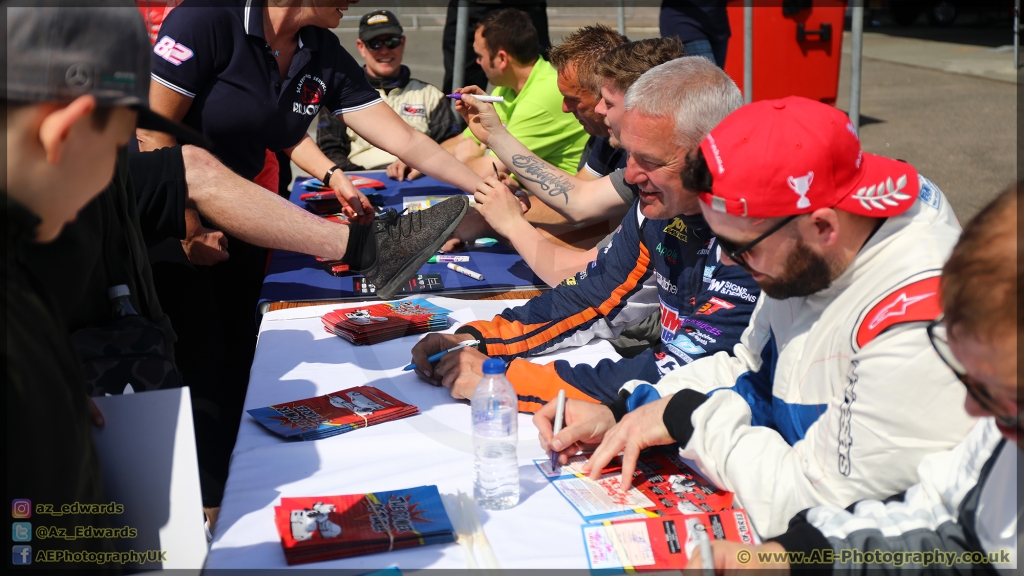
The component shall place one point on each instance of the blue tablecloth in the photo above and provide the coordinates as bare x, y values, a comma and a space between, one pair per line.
292, 276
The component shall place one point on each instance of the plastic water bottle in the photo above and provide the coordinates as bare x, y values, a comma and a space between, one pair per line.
495, 434
120, 303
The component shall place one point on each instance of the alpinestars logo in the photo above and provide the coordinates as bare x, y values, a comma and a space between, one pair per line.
729, 289
311, 92
897, 307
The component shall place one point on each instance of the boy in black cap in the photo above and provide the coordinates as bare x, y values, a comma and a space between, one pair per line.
77, 87
423, 106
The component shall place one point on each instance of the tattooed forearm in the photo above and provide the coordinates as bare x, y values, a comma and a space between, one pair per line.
550, 180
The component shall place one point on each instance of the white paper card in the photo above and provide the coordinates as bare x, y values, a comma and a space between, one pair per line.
147, 451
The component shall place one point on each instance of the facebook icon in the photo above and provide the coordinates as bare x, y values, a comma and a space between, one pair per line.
21, 555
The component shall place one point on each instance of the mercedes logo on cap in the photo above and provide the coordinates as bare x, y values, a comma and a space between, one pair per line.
78, 76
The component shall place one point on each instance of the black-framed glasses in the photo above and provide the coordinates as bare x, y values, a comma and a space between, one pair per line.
937, 336
391, 42
735, 253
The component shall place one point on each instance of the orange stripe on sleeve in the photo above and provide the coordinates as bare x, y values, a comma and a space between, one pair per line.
538, 384
500, 328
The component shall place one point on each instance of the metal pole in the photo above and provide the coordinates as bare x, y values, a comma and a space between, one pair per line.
856, 56
461, 29
748, 51
622, 17
1016, 35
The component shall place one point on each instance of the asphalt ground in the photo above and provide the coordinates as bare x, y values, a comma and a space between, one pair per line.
958, 128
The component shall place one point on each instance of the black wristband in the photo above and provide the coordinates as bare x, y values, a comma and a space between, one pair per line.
618, 406
476, 336
327, 177
677, 414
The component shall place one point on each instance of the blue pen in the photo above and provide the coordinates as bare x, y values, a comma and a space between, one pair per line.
437, 356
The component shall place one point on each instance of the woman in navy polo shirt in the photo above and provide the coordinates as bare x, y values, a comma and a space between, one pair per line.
252, 77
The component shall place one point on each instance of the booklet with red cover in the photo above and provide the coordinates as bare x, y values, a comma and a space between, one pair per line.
332, 414
662, 543
328, 527
385, 321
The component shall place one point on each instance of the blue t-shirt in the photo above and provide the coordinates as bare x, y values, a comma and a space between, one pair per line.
216, 54
604, 159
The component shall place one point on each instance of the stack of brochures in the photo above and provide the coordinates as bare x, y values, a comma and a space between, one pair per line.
328, 527
385, 321
332, 414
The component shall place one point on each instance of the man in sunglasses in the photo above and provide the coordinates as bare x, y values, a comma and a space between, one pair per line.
833, 393
423, 106
965, 503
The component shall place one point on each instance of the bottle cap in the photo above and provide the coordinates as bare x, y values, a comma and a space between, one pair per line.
494, 366
118, 291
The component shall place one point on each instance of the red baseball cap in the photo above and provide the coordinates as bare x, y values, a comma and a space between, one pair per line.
791, 156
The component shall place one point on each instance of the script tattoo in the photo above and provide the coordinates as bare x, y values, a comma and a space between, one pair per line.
532, 169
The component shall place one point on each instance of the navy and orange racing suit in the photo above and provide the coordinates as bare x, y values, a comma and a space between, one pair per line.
674, 264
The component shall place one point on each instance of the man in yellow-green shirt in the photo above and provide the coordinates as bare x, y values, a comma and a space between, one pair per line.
507, 50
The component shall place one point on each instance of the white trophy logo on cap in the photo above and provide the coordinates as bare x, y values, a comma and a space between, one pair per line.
801, 185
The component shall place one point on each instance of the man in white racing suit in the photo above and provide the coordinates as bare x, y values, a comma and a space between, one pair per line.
834, 393
963, 513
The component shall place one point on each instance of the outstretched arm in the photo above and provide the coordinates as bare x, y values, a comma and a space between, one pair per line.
254, 214
576, 199
382, 127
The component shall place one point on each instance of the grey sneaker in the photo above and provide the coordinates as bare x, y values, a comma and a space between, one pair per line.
406, 242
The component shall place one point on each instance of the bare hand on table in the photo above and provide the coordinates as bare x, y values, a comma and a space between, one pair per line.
639, 429
400, 171
585, 424
429, 345
354, 204
460, 371
205, 247
468, 149
728, 556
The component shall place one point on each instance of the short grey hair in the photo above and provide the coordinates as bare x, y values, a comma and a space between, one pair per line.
695, 92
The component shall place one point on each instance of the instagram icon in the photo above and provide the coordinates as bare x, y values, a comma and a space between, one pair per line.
21, 508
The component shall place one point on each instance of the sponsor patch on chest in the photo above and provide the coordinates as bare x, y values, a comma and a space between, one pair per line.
419, 110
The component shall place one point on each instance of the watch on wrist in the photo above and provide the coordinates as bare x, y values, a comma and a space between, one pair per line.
327, 177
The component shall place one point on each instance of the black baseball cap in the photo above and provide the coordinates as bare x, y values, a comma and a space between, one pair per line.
378, 23
60, 52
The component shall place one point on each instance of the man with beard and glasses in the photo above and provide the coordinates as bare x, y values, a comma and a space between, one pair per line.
965, 502
833, 393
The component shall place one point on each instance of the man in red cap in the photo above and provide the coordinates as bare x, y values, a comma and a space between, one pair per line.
833, 393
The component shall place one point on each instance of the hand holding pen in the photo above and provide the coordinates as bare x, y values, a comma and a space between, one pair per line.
432, 359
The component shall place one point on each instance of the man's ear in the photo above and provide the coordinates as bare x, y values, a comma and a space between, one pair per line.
825, 222
55, 128
503, 60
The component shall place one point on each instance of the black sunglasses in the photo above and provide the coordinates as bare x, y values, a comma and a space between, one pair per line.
735, 253
937, 336
392, 42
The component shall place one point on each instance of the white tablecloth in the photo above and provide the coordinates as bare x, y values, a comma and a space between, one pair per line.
297, 359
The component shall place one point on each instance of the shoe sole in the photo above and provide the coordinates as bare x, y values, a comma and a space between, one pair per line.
407, 271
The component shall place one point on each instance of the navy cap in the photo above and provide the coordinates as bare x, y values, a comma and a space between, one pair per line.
60, 52
378, 23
